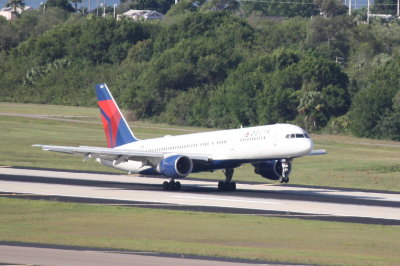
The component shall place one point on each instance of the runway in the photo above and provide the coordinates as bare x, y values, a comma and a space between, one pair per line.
25, 254
344, 205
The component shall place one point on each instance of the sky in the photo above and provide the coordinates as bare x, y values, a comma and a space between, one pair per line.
36, 3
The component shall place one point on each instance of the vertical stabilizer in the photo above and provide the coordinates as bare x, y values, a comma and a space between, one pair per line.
115, 126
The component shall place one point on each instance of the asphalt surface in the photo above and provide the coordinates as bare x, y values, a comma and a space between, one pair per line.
329, 204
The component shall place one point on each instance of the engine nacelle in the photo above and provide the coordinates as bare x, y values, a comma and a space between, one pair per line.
274, 169
175, 166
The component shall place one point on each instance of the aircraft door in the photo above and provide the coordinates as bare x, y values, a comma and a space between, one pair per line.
274, 137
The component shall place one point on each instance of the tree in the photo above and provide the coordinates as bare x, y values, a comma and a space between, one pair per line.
189, 108
331, 8
385, 7
369, 106
312, 107
183, 6
289, 33
8, 36
281, 87
161, 6
334, 32
63, 4
301, 8
16, 4
389, 126
221, 5
76, 4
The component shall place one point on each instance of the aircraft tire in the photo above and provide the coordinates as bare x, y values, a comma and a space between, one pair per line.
285, 180
221, 185
177, 186
232, 186
165, 185
226, 186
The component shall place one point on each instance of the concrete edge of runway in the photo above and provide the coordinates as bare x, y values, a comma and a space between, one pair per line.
238, 211
347, 189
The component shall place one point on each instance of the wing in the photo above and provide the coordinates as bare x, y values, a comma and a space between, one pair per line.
317, 152
119, 155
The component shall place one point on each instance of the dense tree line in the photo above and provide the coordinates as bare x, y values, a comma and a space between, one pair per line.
214, 64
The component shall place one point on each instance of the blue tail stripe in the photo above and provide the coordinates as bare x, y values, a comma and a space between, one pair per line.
124, 136
109, 122
102, 93
116, 128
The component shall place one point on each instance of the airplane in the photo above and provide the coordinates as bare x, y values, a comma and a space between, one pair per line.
269, 148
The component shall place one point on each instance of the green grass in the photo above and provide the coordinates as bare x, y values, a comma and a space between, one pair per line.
350, 162
209, 234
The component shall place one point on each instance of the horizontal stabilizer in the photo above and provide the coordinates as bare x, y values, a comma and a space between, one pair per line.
317, 152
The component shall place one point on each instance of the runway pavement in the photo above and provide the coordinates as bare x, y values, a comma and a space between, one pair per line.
256, 199
24, 255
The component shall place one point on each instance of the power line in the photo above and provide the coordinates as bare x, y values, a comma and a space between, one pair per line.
304, 3
277, 2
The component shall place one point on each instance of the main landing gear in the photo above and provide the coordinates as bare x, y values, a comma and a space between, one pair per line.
227, 185
172, 185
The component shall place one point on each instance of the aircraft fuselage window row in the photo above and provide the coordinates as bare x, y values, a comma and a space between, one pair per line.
297, 136
187, 146
253, 138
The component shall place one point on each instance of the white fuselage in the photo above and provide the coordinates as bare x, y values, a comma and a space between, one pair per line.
243, 145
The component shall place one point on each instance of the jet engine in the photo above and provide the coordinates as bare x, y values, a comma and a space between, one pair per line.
274, 169
175, 166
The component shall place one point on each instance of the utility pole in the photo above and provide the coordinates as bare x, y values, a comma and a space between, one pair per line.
104, 10
349, 7
368, 13
398, 8
44, 7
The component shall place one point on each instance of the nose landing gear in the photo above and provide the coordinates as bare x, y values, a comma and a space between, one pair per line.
285, 171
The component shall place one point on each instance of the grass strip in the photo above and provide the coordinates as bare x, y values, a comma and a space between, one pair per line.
196, 233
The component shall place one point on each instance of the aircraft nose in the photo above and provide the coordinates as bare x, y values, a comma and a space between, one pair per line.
308, 146
300, 147
305, 146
